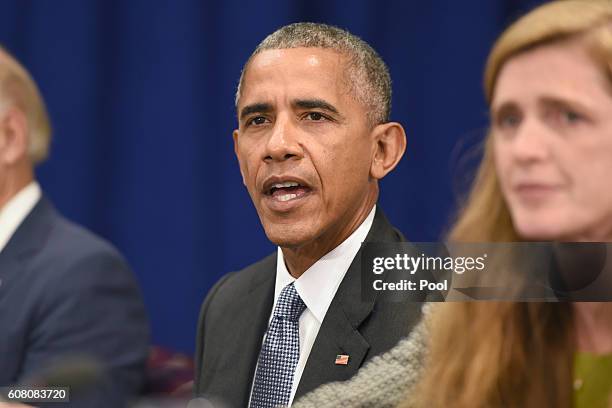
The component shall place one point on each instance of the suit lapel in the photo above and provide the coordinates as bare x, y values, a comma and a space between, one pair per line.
247, 329
28, 238
33, 231
339, 332
8, 265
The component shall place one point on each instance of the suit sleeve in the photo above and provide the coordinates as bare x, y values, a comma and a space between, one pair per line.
93, 312
197, 388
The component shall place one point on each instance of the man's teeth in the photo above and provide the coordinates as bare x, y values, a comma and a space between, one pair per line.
285, 184
286, 197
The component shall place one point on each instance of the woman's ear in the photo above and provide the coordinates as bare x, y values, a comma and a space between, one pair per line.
390, 145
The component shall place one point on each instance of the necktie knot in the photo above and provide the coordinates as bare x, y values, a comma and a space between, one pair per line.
289, 305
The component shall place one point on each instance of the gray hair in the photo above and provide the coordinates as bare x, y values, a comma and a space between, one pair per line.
18, 89
368, 76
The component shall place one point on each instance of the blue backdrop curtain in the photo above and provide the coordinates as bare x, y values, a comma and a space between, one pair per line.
141, 97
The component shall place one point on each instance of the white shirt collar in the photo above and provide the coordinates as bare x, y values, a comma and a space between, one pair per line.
16, 210
318, 284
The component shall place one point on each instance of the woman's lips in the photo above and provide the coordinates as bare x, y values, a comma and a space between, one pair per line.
536, 192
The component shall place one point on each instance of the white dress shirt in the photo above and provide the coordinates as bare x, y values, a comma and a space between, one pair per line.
16, 210
317, 287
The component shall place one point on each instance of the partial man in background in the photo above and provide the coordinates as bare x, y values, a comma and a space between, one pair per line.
313, 140
70, 309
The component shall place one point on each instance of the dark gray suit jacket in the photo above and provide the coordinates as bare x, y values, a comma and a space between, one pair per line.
70, 310
234, 318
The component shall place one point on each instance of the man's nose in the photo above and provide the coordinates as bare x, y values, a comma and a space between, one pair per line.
283, 142
532, 142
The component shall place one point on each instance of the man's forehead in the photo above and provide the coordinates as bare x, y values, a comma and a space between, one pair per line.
311, 56
307, 61
307, 73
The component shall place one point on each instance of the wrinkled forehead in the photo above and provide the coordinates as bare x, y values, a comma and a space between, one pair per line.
313, 72
564, 70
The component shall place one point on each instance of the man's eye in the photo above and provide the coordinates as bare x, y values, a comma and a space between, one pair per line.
315, 116
259, 120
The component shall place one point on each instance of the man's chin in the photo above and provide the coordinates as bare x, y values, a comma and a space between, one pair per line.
288, 236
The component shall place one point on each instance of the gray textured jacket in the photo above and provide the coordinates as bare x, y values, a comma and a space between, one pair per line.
383, 382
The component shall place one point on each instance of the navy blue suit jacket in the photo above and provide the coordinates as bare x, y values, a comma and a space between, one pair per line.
66, 298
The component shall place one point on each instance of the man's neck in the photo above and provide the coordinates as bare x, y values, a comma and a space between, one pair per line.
299, 259
14, 182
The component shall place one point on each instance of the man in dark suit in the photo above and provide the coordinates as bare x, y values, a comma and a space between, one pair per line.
313, 140
70, 310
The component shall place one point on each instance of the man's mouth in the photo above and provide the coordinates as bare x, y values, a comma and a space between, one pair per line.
286, 190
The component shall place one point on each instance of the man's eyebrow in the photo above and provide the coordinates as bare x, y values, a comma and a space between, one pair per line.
315, 104
260, 107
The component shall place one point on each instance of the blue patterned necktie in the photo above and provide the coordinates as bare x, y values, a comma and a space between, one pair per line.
280, 352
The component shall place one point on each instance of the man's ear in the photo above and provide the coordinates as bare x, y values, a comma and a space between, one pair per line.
390, 145
235, 135
13, 136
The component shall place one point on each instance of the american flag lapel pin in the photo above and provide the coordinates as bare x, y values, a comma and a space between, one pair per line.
342, 359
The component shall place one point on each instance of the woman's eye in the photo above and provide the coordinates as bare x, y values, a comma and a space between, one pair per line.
509, 121
570, 117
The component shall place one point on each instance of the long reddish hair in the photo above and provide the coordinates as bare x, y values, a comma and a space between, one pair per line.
509, 354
